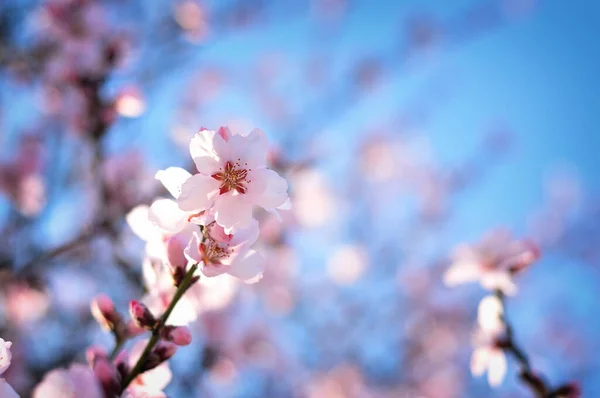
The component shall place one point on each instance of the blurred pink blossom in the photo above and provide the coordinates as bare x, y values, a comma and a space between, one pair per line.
493, 262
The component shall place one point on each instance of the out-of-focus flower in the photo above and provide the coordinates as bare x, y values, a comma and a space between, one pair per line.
5, 355
314, 203
222, 253
130, 102
347, 264
192, 19
488, 354
493, 262
6, 391
24, 304
76, 382
233, 177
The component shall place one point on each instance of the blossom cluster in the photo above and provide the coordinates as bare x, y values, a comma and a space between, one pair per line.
207, 229
494, 263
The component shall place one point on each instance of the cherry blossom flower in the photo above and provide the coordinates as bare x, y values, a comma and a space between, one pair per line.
75, 382
166, 230
232, 177
493, 262
488, 354
5, 355
222, 253
6, 391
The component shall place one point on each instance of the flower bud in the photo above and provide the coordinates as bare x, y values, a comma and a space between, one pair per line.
162, 352
103, 310
141, 315
179, 335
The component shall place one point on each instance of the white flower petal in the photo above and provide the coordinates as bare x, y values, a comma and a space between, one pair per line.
201, 144
173, 178
275, 192
138, 221
250, 150
198, 193
167, 215
479, 361
248, 267
461, 272
206, 165
192, 251
233, 211
496, 368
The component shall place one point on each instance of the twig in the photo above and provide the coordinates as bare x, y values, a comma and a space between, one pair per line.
188, 280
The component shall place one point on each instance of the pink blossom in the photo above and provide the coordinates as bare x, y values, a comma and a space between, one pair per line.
222, 253
493, 262
75, 382
166, 230
5, 355
232, 177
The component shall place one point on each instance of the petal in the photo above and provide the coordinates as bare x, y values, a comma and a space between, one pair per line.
479, 361
489, 314
233, 211
461, 272
245, 236
201, 144
192, 250
275, 192
502, 280
172, 179
248, 267
206, 165
251, 149
496, 368
138, 221
198, 193
167, 215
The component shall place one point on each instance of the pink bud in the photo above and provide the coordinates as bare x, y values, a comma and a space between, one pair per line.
179, 335
162, 352
103, 310
141, 315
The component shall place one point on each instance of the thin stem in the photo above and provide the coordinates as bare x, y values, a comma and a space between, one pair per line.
187, 281
534, 382
118, 345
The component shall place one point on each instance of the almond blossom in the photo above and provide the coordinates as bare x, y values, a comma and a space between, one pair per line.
75, 382
222, 253
6, 391
232, 177
489, 355
493, 262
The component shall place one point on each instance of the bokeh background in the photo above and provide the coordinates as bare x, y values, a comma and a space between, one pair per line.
403, 128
